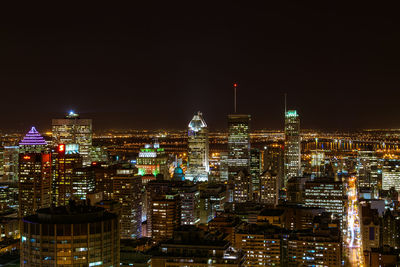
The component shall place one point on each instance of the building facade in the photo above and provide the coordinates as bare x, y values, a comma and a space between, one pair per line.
70, 236
292, 154
34, 173
74, 130
198, 149
127, 190
238, 144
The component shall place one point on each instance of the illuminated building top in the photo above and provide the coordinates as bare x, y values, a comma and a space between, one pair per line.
197, 123
152, 160
33, 138
72, 115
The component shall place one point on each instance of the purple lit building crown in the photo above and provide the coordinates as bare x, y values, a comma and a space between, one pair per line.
33, 138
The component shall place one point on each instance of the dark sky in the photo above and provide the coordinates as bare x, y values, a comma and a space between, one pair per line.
154, 65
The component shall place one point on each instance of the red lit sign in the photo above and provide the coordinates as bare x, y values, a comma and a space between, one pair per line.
27, 157
61, 148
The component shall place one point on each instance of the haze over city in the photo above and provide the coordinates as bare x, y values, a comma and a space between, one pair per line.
153, 66
233, 134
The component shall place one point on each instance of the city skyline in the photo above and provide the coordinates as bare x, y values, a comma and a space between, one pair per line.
166, 63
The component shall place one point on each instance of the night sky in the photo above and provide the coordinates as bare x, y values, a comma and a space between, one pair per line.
154, 66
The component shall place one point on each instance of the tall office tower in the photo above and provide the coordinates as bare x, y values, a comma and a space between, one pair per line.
391, 174
292, 157
34, 174
74, 130
127, 190
318, 163
165, 216
269, 188
190, 203
243, 188
255, 168
295, 189
198, 166
152, 160
273, 161
70, 236
83, 182
65, 161
8, 198
327, 194
223, 167
103, 179
33, 142
10, 164
154, 189
368, 171
238, 144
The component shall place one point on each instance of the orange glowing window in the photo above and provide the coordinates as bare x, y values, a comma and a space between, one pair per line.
27, 157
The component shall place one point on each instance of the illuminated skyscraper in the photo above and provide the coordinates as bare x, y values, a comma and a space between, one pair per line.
238, 144
325, 193
70, 236
34, 174
273, 161
391, 175
65, 161
255, 168
10, 163
243, 187
164, 216
74, 130
152, 160
368, 171
198, 166
269, 188
126, 188
292, 156
318, 163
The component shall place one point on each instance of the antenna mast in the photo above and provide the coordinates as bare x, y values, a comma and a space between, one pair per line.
285, 104
234, 96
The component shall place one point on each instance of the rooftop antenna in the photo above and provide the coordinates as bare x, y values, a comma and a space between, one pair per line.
234, 96
285, 104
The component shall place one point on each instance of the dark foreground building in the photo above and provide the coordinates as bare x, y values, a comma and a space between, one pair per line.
70, 236
194, 247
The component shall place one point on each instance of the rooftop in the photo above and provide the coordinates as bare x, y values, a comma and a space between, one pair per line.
70, 214
33, 138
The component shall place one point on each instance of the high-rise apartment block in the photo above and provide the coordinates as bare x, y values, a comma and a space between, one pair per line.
126, 188
164, 216
269, 188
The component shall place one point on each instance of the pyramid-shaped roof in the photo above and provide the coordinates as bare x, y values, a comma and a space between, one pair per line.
197, 122
33, 138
